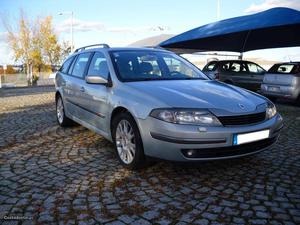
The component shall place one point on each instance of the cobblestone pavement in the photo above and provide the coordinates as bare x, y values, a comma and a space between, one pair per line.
50, 175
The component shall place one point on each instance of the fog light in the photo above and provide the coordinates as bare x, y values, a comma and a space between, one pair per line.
190, 152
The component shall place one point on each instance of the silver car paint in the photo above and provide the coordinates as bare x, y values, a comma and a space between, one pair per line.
140, 98
287, 85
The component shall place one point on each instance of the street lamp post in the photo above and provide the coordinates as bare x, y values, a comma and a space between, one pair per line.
218, 9
72, 32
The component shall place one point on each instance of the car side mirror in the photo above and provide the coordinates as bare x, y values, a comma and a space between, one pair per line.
95, 80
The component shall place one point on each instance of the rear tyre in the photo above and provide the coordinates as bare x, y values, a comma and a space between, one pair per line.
61, 117
128, 142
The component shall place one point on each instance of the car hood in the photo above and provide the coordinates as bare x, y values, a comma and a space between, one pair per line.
220, 98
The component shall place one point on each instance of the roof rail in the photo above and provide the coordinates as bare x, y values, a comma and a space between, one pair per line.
89, 46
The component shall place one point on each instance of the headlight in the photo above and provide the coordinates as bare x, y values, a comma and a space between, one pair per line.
270, 110
185, 116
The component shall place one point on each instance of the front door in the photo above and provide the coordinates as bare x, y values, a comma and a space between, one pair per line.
256, 76
95, 95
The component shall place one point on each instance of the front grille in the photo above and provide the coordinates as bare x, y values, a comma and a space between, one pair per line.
235, 150
242, 119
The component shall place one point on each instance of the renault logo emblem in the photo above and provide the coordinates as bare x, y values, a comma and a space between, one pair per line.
241, 106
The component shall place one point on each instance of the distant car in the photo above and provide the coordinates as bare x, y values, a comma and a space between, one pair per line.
241, 73
283, 80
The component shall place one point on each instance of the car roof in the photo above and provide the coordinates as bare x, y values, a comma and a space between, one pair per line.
289, 63
111, 49
230, 60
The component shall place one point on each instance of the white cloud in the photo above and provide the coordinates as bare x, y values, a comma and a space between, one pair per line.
85, 26
80, 25
267, 4
137, 29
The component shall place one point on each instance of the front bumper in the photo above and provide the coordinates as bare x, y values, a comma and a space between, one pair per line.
173, 141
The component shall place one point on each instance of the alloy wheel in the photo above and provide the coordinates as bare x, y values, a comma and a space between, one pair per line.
125, 141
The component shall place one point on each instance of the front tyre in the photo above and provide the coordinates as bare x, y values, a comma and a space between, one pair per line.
62, 120
128, 141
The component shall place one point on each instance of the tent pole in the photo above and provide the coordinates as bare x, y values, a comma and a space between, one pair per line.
244, 44
240, 57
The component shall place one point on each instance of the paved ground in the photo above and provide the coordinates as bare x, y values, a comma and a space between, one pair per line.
71, 176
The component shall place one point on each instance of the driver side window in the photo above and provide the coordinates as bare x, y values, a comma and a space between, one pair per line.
98, 66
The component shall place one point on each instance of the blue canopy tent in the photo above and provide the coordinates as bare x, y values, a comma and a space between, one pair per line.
273, 28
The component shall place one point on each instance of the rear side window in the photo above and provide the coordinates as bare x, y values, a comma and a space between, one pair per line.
225, 66
80, 65
98, 66
235, 67
284, 69
64, 68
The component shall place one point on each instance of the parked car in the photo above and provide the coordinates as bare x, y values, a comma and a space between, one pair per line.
283, 80
241, 73
153, 103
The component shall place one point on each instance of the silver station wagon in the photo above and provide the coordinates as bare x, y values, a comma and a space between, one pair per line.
152, 103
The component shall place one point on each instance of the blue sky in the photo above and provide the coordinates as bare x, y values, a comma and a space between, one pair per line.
121, 22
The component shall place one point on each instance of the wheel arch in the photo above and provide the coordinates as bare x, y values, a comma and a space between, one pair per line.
117, 110
57, 94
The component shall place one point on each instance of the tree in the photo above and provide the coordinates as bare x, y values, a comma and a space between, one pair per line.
21, 42
51, 49
65, 51
35, 43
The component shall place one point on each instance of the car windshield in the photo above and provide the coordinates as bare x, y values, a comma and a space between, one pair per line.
137, 65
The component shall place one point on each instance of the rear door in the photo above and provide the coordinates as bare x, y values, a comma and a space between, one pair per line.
241, 75
256, 75
76, 86
235, 72
62, 78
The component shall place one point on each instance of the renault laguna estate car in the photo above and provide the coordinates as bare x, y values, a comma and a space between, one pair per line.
152, 103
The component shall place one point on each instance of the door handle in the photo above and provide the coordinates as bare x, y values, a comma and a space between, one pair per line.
82, 89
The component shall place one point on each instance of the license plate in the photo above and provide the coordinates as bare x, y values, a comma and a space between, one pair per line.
250, 137
274, 89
